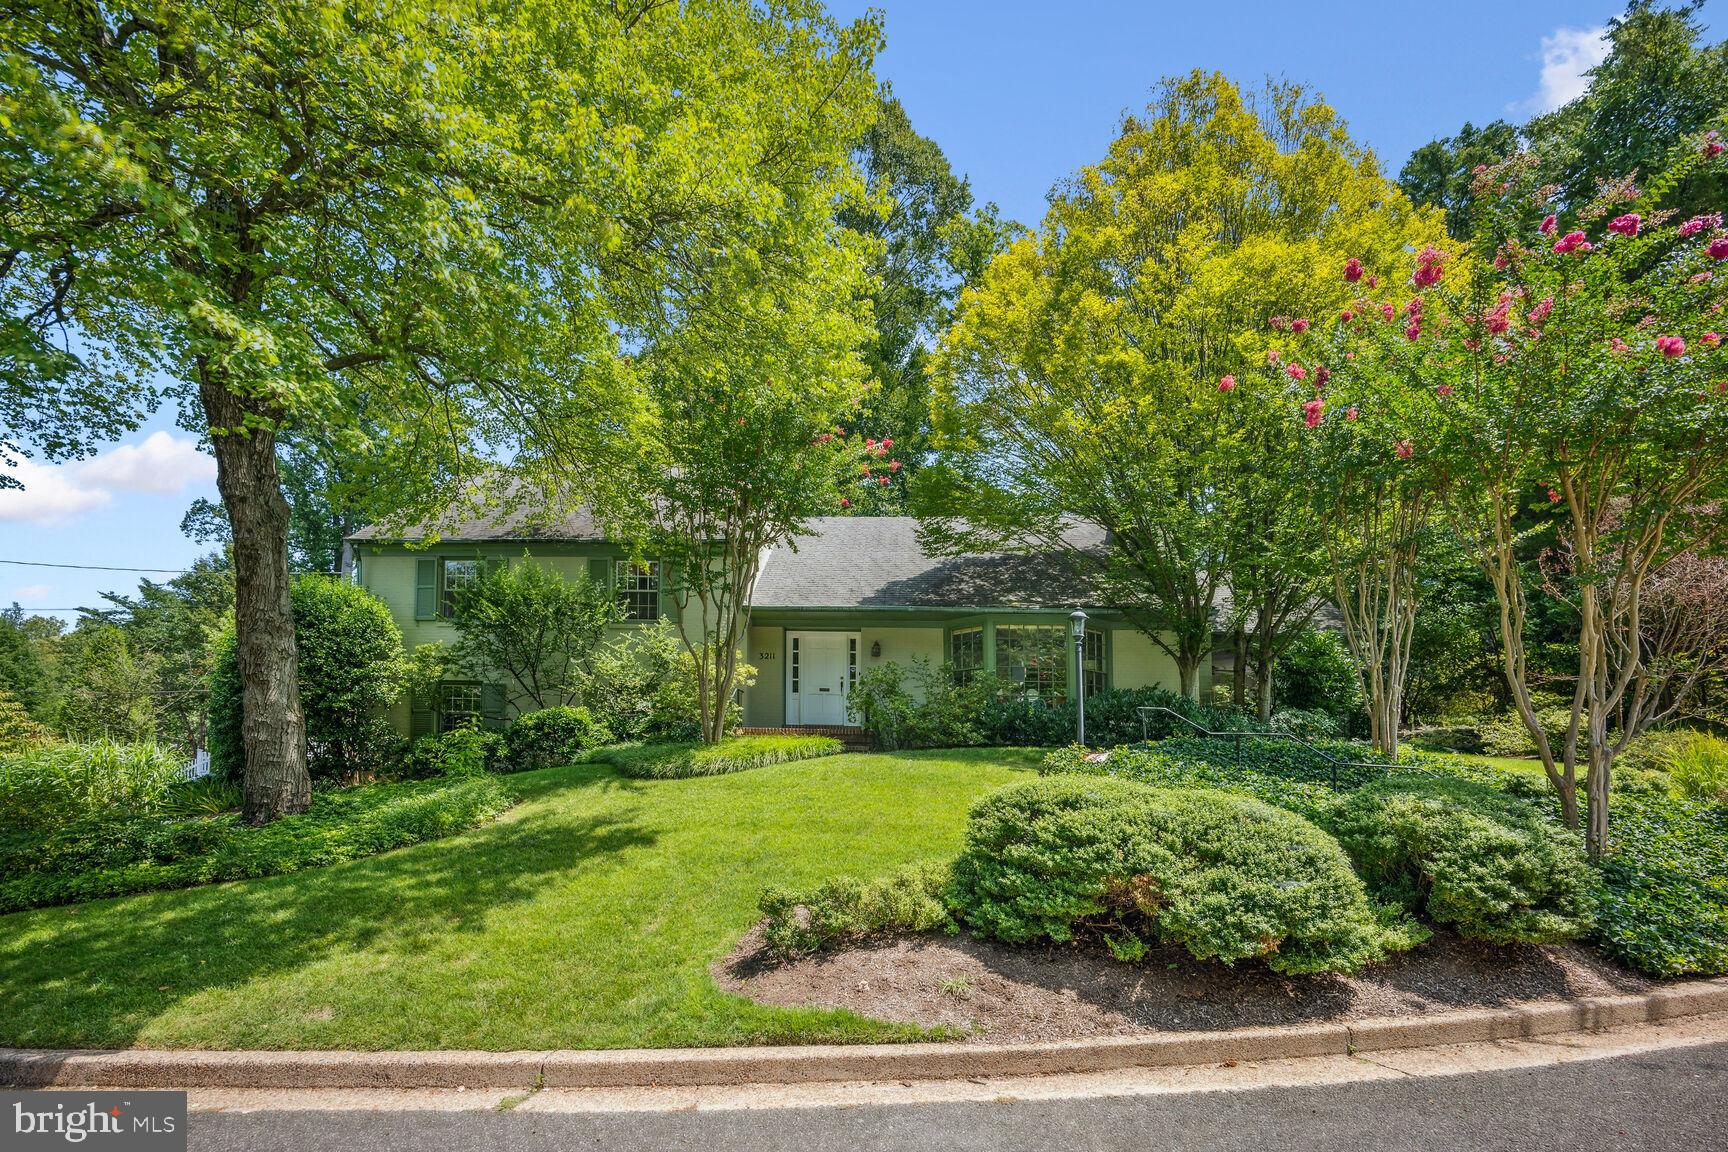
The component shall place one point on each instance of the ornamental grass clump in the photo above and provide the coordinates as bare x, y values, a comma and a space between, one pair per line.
1484, 863
1225, 876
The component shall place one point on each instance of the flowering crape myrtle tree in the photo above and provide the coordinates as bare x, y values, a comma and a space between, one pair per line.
1104, 368
1580, 404
1373, 496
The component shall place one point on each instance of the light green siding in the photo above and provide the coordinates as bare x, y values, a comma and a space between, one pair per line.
1136, 662
765, 701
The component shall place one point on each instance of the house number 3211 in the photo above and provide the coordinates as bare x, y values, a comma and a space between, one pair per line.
764, 655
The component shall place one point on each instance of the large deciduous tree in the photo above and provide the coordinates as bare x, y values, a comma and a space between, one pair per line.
749, 353
930, 241
1106, 367
418, 229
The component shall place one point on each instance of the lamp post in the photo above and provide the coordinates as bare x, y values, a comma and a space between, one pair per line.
1077, 628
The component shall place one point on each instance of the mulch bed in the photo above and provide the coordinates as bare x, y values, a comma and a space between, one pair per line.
996, 993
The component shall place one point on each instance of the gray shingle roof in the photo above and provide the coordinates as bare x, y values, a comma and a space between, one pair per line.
520, 524
877, 562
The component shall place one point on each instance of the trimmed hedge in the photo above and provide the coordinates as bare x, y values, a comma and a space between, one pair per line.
1461, 854
735, 754
845, 910
1223, 875
95, 859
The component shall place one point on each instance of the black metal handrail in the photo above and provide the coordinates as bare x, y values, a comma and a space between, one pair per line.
1333, 762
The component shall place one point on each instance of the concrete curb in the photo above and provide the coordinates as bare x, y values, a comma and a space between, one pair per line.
691, 1067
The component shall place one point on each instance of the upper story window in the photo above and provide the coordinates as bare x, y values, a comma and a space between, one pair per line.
967, 654
453, 576
638, 588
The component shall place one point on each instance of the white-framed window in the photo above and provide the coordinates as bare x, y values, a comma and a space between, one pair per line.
966, 653
459, 706
793, 661
1096, 677
453, 576
1033, 658
851, 663
638, 588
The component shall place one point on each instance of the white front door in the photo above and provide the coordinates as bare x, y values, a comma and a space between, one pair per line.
820, 667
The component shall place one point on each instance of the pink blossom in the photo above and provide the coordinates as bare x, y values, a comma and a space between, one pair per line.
845, 503
1297, 372
1500, 262
1227, 384
888, 442
1539, 314
893, 465
1350, 413
1699, 223
1626, 225
1571, 242
883, 480
1443, 391
1413, 332
1298, 326
1346, 316
1404, 449
1312, 412
1499, 320
1321, 375
1414, 307
1698, 277
1388, 311
1671, 346
1428, 267
1718, 248
1710, 339
1548, 224
1272, 356
1553, 496
1352, 270
1618, 345
1373, 280
1712, 146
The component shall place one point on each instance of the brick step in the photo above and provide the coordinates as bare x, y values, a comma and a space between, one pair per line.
851, 737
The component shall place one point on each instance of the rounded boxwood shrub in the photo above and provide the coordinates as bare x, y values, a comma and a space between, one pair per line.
1462, 854
552, 736
1223, 875
350, 668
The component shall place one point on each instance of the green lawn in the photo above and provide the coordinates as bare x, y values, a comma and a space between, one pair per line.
586, 917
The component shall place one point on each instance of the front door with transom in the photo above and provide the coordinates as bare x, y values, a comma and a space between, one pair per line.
821, 668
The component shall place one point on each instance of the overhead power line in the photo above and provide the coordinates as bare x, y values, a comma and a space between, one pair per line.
94, 567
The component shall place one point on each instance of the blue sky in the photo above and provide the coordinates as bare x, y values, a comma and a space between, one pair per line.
1018, 94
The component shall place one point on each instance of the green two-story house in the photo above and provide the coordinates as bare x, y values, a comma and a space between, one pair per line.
852, 593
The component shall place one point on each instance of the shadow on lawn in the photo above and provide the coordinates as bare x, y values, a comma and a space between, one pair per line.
99, 973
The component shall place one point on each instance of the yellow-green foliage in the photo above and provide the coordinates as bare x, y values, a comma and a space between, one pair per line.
735, 754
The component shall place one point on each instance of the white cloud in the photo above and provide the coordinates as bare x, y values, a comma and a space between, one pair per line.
161, 464
33, 592
1568, 54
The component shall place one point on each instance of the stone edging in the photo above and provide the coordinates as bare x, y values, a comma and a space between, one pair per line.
686, 1067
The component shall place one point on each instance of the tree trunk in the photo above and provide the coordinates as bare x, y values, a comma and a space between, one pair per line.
273, 728
1239, 674
1188, 674
1263, 689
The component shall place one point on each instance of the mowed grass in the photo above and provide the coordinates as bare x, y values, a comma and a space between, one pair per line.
585, 917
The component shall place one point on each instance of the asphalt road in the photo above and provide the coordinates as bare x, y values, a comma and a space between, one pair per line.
1673, 1100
